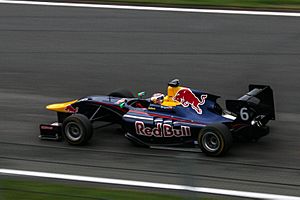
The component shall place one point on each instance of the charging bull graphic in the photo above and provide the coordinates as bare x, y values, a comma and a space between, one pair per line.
186, 97
71, 109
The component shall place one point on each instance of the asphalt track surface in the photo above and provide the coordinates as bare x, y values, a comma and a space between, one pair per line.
54, 54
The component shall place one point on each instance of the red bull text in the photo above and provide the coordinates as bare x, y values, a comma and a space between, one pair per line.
161, 130
186, 97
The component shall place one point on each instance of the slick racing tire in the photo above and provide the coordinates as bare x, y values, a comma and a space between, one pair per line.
77, 129
122, 93
215, 140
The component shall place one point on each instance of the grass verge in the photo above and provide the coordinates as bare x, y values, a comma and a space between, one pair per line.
36, 190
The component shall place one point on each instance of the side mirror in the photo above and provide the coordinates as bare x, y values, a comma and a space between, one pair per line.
122, 105
141, 94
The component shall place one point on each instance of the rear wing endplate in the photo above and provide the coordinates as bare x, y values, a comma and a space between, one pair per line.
259, 98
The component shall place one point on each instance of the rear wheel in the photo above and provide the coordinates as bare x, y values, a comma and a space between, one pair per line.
77, 129
122, 93
215, 140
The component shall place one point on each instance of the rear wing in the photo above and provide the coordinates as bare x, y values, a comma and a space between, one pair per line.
259, 101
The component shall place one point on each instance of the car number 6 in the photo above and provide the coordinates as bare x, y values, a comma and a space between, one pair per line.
244, 114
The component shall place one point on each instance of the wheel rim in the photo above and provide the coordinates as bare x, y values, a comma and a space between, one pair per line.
211, 141
73, 131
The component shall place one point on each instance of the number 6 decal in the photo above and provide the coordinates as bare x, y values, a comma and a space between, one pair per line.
244, 114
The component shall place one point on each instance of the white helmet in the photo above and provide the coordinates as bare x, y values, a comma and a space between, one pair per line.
157, 98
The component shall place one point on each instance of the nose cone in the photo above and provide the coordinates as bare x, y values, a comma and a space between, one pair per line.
60, 107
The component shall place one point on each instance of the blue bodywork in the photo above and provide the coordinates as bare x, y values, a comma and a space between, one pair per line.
177, 123
177, 117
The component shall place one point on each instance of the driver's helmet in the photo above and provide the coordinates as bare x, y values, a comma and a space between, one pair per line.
157, 98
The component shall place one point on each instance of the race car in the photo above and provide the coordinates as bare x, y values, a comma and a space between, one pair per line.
184, 117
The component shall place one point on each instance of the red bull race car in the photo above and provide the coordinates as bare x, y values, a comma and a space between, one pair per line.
184, 117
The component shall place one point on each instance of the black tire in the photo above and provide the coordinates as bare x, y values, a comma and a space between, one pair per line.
122, 93
215, 140
77, 129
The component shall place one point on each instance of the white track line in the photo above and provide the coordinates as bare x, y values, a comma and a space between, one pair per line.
189, 10
148, 184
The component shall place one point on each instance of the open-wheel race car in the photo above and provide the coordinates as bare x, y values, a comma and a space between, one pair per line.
184, 117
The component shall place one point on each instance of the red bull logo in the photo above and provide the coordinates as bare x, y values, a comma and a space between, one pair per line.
161, 130
71, 109
187, 98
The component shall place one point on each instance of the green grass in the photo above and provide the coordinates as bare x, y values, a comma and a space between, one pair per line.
255, 4
36, 190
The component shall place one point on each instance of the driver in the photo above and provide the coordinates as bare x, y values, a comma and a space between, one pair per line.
157, 98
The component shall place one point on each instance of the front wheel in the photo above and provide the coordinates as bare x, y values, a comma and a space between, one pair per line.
215, 140
77, 129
